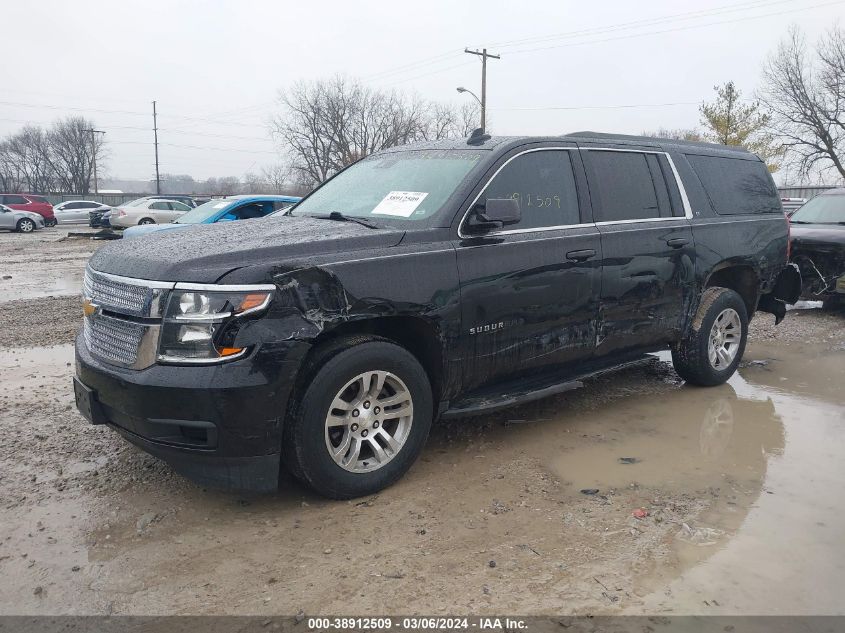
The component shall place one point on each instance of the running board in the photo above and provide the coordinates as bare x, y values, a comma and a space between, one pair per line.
524, 391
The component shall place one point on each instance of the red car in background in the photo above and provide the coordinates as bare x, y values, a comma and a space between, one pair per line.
32, 203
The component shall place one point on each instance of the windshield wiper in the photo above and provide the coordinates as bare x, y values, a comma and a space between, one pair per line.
337, 215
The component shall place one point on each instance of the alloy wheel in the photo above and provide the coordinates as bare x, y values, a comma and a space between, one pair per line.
369, 421
724, 340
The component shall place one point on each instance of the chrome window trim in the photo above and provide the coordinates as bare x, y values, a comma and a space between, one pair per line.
681, 190
462, 235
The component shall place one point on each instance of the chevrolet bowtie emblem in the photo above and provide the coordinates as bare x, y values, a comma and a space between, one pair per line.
89, 308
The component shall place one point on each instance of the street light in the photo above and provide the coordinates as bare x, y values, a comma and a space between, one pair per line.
462, 89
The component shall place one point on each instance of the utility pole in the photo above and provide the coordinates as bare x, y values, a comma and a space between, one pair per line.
483, 54
155, 134
94, 152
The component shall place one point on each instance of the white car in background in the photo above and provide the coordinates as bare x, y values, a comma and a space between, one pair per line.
147, 211
20, 221
76, 211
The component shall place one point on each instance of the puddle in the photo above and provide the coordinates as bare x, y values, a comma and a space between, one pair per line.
54, 280
764, 451
32, 366
757, 463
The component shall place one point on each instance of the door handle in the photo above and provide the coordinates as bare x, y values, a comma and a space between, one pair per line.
580, 256
677, 242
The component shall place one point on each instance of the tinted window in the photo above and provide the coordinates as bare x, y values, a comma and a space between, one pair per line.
13, 199
179, 206
621, 184
160, 206
736, 186
544, 185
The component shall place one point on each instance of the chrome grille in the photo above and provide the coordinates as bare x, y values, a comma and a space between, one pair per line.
113, 340
111, 294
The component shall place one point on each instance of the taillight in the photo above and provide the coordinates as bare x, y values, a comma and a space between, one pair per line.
788, 237
122, 213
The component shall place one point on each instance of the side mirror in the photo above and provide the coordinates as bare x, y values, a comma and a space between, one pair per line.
495, 214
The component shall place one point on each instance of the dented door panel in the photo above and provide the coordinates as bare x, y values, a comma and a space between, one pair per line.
525, 306
648, 285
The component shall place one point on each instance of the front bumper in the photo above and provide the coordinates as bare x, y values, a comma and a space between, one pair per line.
219, 425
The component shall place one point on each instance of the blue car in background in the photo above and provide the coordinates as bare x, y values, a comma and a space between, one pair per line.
220, 210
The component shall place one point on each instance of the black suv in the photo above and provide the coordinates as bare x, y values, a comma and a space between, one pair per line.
424, 281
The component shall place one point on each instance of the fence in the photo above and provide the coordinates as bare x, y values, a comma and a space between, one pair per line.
111, 199
803, 192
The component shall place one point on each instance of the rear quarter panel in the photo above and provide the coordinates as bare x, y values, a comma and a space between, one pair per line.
758, 241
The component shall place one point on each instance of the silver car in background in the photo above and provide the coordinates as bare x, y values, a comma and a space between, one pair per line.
147, 211
76, 211
20, 221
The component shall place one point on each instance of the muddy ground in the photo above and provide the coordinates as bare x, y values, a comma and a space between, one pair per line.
738, 488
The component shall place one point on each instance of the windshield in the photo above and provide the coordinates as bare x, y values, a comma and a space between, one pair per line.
203, 212
410, 185
822, 210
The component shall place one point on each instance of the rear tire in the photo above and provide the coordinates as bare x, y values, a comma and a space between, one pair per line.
146, 221
361, 417
713, 348
25, 225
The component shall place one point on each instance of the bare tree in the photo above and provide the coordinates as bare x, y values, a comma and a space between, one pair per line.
9, 170
72, 149
28, 153
177, 183
806, 94
278, 177
679, 134
328, 124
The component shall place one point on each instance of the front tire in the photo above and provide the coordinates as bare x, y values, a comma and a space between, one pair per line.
712, 350
361, 420
25, 225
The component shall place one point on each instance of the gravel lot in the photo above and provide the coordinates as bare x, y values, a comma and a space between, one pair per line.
702, 496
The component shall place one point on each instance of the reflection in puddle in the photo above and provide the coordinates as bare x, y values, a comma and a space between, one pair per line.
51, 282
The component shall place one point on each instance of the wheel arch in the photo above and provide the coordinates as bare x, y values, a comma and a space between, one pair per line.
416, 334
741, 278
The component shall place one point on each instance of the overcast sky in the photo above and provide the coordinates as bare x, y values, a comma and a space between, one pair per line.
215, 68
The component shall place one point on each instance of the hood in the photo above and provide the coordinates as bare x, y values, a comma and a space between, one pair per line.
819, 236
146, 229
202, 253
29, 214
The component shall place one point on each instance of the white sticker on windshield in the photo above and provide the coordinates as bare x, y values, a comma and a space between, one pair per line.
401, 203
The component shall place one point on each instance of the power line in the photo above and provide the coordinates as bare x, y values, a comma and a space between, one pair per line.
604, 107
701, 13
673, 30
433, 72
412, 65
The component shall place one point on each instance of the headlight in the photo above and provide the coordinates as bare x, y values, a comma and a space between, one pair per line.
197, 324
